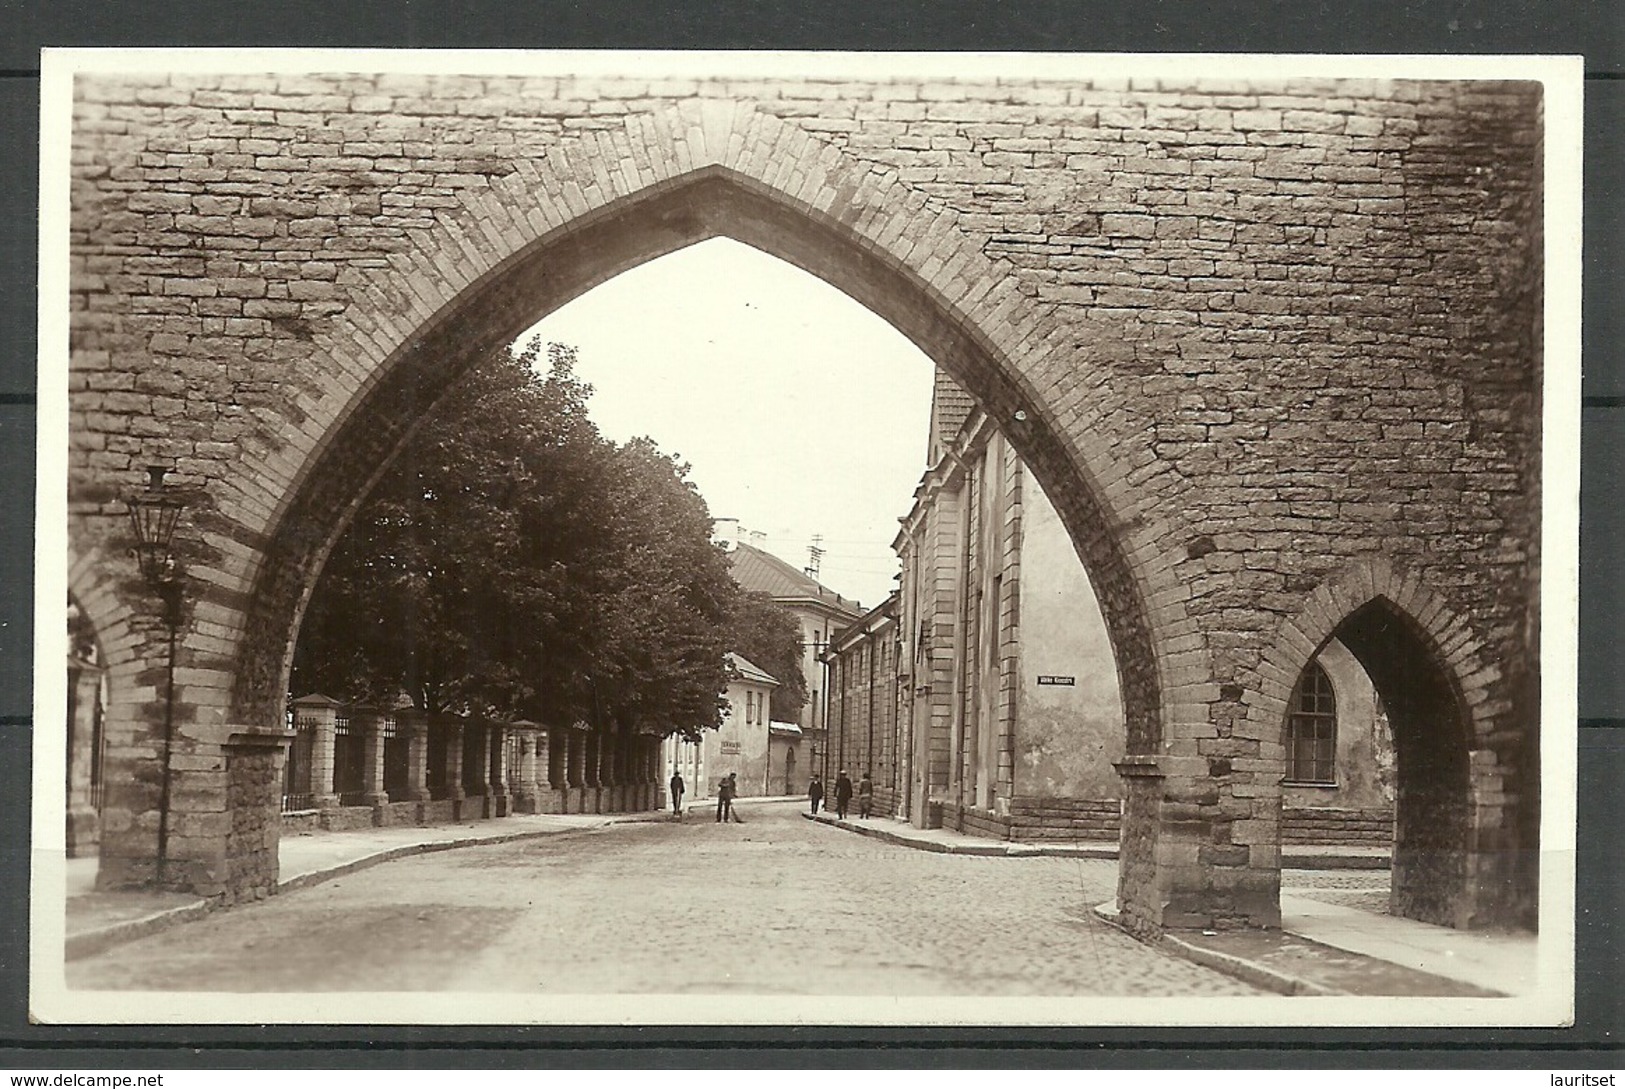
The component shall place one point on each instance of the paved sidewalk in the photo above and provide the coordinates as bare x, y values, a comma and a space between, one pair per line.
947, 841
99, 920
1322, 948
958, 843
1497, 961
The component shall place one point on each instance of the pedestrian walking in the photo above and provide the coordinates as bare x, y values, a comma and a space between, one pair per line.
866, 796
677, 785
843, 795
815, 793
725, 798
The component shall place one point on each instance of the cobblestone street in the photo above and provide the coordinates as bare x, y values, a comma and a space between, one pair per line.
776, 905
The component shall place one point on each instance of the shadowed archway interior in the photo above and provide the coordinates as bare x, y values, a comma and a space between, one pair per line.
1433, 811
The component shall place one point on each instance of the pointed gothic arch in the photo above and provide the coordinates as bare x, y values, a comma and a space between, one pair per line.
512, 256
250, 316
1433, 675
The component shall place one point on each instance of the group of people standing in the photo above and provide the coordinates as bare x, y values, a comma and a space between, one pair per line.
728, 790
843, 795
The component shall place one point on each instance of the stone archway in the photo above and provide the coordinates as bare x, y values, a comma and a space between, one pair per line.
1454, 841
508, 257
275, 275
855, 228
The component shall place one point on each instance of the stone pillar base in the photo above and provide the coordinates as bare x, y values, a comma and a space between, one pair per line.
84, 832
438, 811
1190, 856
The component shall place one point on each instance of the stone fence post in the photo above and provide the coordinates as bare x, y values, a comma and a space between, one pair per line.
319, 714
453, 742
524, 788
413, 726
497, 770
371, 726
84, 708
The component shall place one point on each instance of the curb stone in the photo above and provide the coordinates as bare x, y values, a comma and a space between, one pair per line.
1245, 970
1312, 860
316, 877
984, 850
90, 942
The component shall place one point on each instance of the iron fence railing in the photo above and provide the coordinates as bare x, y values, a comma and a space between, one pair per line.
397, 770
349, 757
297, 789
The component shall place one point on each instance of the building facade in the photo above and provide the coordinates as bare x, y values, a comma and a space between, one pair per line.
1006, 677
983, 696
742, 745
865, 705
820, 614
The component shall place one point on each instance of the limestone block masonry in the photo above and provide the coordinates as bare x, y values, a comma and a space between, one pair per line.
1274, 349
253, 800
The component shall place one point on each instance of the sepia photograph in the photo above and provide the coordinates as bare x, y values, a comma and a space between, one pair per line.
806, 538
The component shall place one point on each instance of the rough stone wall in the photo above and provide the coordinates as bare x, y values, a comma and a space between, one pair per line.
1353, 827
253, 801
1256, 332
1039, 820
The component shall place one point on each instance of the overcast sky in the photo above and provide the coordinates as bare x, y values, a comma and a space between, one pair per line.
799, 410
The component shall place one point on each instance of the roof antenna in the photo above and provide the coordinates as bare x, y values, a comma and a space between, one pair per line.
815, 554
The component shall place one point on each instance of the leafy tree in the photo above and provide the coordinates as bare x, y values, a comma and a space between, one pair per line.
768, 634
666, 611
512, 561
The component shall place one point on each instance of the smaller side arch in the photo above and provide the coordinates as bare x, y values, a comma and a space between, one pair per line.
1435, 679
104, 585
1459, 650
94, 585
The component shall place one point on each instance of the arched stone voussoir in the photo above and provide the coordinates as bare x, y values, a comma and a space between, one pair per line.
893, 248
1451, 638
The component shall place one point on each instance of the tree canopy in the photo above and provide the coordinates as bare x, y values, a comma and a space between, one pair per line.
768, 634
513, 562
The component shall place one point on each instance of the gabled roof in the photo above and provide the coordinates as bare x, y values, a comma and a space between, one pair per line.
875, 620
743, 669
950, 407
764, 573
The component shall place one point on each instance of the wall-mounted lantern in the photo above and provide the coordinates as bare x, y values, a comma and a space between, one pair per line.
154, 513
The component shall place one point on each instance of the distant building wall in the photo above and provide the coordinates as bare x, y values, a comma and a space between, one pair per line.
1013, 677
739, 745
1071, 712
866, 731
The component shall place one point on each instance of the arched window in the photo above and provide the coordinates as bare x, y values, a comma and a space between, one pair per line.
1311, 729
